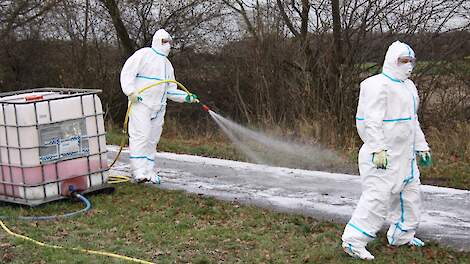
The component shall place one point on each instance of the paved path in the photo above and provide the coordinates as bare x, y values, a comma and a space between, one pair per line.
328, 196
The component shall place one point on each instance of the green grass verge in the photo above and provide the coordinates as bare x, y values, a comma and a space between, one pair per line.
172, 226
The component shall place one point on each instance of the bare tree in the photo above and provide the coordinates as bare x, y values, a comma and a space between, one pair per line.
267, 61
121, 30
15, 14
187, 20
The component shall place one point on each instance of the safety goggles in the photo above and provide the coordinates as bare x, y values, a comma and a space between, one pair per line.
164, 41
407, 59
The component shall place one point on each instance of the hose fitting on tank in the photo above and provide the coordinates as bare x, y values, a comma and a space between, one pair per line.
72, 191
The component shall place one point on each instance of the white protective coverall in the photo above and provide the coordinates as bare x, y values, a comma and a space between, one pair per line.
387, 119
146, 66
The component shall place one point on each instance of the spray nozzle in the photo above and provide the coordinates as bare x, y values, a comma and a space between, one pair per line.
205, 107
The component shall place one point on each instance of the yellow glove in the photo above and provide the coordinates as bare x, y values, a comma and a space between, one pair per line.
380, 159
133, 98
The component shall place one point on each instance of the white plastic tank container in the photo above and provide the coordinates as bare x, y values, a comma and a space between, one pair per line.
52, 140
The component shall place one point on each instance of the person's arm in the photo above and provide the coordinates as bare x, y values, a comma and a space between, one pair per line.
420, 141
173, 93
129, 72
373, 99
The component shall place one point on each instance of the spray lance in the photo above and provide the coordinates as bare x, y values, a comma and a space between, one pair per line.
204, 107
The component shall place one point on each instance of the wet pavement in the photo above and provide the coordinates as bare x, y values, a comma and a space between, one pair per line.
322, 195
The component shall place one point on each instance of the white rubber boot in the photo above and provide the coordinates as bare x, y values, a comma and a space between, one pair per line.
416, 242
139, 176
357, 252
155, 179
152, 176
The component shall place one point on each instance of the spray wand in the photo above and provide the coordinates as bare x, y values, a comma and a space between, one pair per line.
204, 107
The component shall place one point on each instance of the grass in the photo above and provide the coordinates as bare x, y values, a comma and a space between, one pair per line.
172, 226
451, 157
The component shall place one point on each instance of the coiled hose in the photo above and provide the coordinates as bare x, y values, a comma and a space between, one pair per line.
84, 200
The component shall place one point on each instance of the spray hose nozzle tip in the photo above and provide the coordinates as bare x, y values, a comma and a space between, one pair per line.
205, 107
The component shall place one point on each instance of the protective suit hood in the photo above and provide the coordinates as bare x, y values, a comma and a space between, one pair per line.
157, 42
391, 68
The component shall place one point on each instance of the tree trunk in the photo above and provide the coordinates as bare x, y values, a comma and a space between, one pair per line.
335, 64
126, 42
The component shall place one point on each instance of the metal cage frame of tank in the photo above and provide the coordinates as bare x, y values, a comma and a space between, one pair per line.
70, 93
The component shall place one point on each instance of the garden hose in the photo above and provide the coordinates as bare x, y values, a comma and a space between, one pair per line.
53, 217
93, 252
87, 204
114, 179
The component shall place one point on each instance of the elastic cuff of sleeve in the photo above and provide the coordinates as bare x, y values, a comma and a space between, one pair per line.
377, 149
422, 149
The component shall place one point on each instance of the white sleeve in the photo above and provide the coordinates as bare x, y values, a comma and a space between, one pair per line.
420, 141
373, 99
129, 72
172, 91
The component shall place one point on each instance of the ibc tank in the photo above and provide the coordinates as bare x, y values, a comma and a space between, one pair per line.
51, 140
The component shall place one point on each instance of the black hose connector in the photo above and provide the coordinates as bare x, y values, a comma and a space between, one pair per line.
72, 190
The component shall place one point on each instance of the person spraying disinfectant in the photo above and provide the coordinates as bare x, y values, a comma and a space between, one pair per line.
146, 66
387, 123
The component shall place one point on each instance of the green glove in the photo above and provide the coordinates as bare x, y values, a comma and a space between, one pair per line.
425, 159
191, 98
380, 159
133, 98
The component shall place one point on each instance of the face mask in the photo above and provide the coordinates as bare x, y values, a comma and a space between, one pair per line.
165, 49
405, 69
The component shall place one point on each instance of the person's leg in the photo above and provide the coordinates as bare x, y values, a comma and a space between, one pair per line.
139, 130
371, 211
157, 121
406, 212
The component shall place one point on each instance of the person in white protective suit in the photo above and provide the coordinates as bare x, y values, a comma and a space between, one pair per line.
387, 123
147, 66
